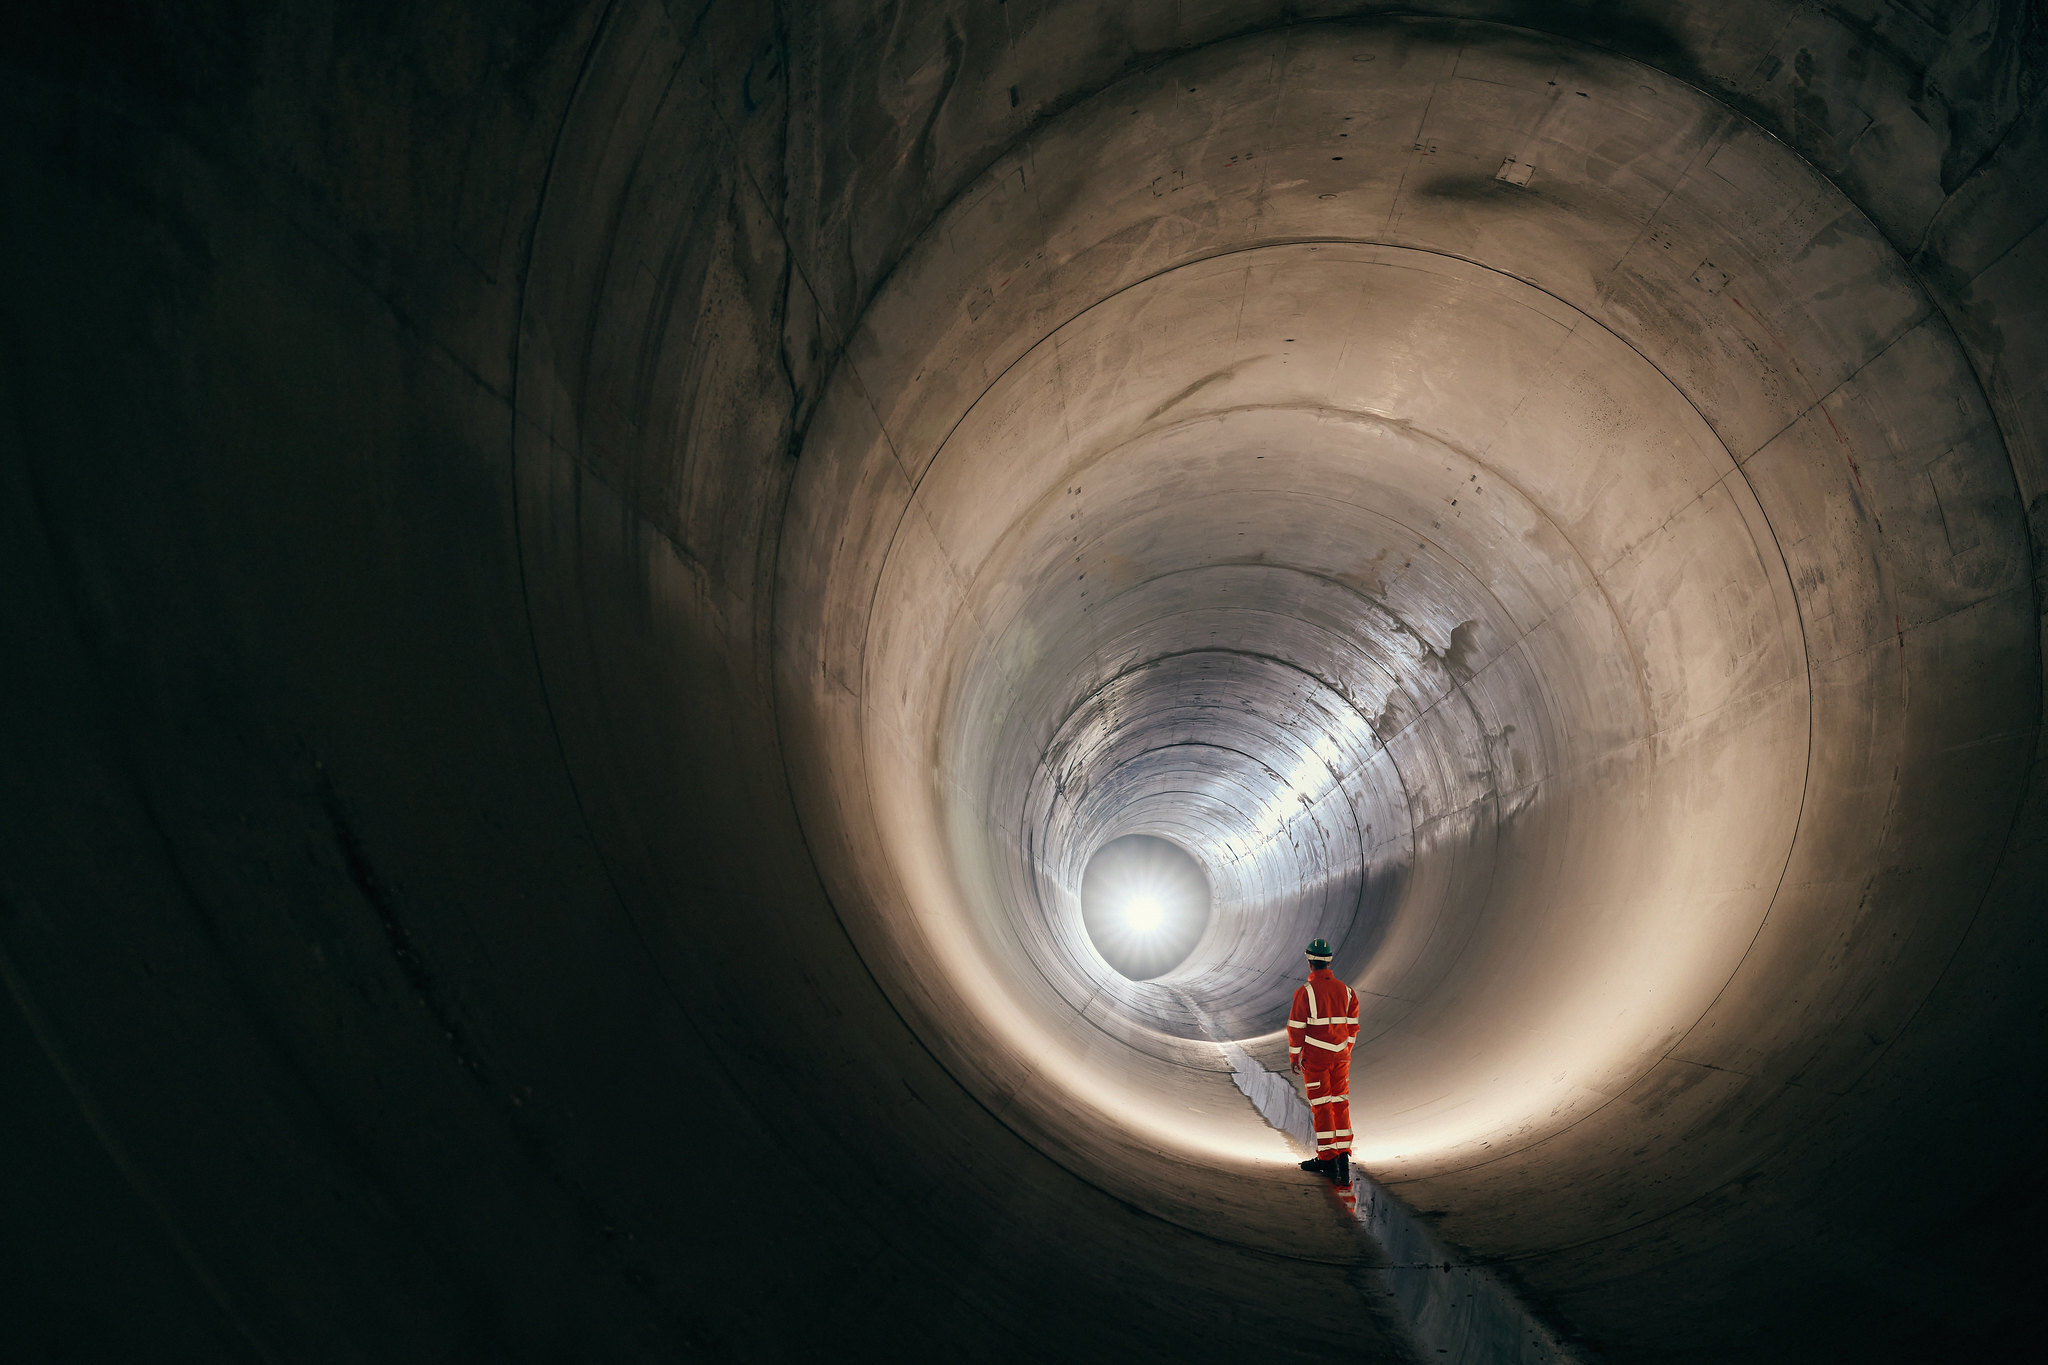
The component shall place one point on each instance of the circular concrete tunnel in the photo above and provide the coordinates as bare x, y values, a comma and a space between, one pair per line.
587, 587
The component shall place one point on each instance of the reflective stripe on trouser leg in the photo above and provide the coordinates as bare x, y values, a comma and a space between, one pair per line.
1329, 1099
1317, 1086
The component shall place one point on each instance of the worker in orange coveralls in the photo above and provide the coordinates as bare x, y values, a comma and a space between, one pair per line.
1320, 1028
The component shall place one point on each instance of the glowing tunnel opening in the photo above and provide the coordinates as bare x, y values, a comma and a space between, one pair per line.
1145, 903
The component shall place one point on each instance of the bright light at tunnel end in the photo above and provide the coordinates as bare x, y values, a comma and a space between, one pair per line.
1144, 912
1144, 904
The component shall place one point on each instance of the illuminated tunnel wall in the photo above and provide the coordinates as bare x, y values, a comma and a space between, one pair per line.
583, 588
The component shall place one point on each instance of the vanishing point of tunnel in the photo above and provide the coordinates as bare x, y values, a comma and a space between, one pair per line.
682, 679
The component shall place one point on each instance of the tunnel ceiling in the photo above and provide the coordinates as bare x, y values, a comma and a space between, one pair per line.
545, 541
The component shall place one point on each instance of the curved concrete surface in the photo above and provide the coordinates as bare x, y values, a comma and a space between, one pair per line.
582, 588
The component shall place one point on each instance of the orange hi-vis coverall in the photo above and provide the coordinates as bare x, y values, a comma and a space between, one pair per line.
1320, 1028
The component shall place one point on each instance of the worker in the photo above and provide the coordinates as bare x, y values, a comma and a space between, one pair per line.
1320, 1028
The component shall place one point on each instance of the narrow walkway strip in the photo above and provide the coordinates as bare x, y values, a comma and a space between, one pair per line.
1455, 1308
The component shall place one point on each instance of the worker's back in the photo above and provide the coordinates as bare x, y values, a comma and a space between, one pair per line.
1324, 1019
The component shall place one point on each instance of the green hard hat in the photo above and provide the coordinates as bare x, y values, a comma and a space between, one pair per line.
1319, 951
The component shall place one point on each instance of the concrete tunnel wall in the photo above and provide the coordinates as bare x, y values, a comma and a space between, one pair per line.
513, 517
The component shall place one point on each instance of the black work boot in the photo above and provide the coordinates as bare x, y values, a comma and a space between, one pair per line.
1343, 1176
1321, 1165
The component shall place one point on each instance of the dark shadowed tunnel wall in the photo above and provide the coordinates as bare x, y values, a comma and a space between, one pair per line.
583, 583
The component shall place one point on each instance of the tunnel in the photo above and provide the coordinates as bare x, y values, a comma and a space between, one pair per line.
594, 591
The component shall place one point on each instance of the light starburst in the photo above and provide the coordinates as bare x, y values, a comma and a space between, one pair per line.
1144, 912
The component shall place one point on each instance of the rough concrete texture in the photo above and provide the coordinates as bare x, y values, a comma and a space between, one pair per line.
580, 583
